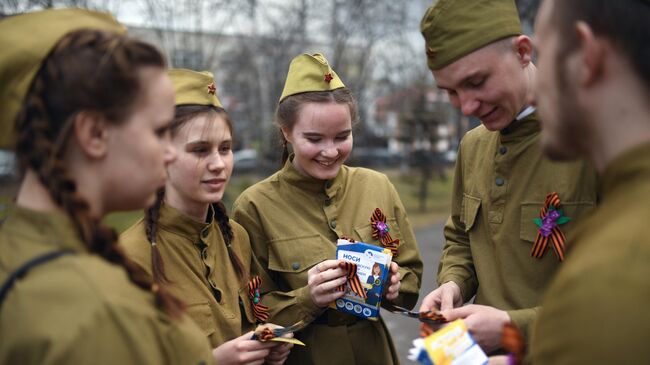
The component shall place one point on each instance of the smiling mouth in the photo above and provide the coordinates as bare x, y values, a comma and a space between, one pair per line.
489, 114
327, 163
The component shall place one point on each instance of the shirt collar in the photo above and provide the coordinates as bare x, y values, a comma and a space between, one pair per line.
290, 174
173, 220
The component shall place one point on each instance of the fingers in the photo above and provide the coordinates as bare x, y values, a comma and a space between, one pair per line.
461, 312
324, 266
394, 267
449, 296
430, 301
317, 277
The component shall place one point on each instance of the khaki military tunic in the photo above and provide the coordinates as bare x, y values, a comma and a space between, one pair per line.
79, 308
196, 261
294, 222
596, 309
500, 185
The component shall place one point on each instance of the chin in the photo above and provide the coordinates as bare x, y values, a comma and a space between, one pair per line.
321, 173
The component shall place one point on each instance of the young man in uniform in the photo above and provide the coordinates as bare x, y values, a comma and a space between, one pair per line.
594, 96
501, 245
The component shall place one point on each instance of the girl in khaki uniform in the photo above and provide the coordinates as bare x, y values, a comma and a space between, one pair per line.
91, 108
295, 216
186, 242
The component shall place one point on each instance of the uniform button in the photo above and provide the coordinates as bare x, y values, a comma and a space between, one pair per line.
295, 265
205, 233
204, 253
333, 224
328, 201
217, 295
499, 181
503, 150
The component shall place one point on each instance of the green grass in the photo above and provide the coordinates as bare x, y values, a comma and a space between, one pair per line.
437, 202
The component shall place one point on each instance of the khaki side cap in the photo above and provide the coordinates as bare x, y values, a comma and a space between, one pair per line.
310, 72
455, 28
193, 87
25, 41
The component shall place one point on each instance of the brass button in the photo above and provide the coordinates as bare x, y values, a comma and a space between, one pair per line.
333, 224
295, 265
499, 181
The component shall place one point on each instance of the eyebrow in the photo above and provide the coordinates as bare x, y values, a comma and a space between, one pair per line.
202, 141
316, 134
465, 80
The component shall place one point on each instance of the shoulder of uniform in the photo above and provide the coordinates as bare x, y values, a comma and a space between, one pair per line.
72, 296
364, 173
238, 229
257, 190
475, 134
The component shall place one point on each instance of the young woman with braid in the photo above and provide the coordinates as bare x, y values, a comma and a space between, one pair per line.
86, 109
295, 216
187, 243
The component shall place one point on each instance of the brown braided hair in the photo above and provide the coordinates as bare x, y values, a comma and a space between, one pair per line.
185, 113
86, 70
286, 115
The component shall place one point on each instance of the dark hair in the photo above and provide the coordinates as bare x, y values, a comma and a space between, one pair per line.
286, 114
624, 22
86, 70
185, 113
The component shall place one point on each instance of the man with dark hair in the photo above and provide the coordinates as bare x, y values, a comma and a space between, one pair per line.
501, 245
593, 93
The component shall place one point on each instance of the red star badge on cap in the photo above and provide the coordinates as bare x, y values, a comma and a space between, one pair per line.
328, 78
212, 89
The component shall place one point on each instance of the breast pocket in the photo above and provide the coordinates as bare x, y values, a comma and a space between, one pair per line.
529, 211
469, 209
364, 231
297, 254
202, 316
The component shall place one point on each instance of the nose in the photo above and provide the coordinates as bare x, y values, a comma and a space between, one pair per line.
468, 104
330, 151
216, 162
169, 153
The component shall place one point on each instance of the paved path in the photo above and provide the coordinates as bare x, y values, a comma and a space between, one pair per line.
402, 329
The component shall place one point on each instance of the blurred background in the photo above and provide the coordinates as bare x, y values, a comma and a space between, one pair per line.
407, 127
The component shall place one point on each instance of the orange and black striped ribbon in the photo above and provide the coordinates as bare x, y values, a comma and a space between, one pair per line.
556, 238
353, 279
260, 311
512, 341
386, 240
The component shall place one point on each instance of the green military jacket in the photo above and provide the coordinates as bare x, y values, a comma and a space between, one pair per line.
196, 261
294, 222
79, 308
596, 308
500, 185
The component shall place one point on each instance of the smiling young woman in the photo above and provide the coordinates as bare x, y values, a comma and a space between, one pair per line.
295, 216
187, 243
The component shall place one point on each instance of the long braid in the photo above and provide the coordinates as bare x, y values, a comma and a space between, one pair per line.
43, 127
151, 216
228, 236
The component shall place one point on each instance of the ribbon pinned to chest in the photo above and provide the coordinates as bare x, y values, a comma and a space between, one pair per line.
353, 279
550, 218
260, 311
381, 231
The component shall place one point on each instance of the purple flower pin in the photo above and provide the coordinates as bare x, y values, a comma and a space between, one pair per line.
551, 219
382, 228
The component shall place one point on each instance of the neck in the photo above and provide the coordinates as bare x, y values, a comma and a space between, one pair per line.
195, 210
619, 118
34, 195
